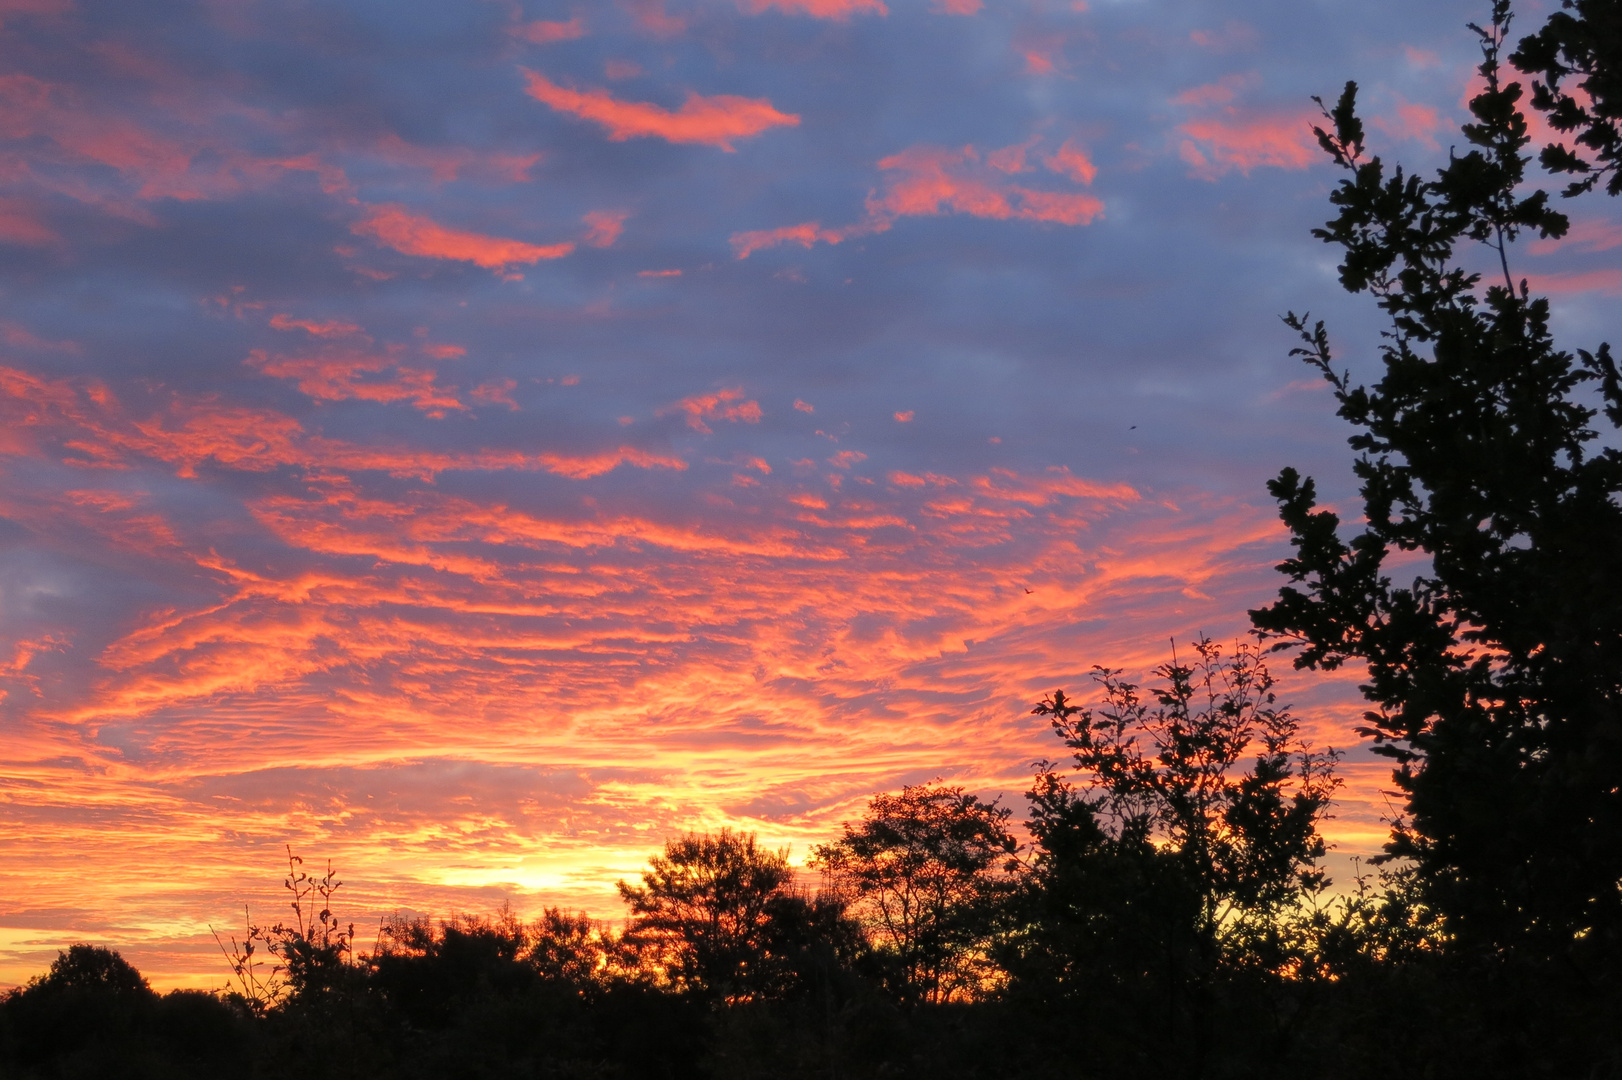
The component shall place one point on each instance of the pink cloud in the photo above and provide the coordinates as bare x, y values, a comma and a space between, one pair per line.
394, 226
1072, 161
905, 417
721, 405
1220, 92
958, 7
805, 234
1216, 147
712, 121
1412, 121
651, 16
1038, 63
1011, 159
541, 32
931, 180
838, 10
621, 69
331, 328
604, 226
1600, 281
804, 406
498, 392
20, 224
1233, 35
1592, 235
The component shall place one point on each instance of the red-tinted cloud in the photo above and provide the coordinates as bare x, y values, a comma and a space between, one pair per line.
805, 234
838, 10
1594, 234
542, 32
1072, 161
711, 121
1411, 121
20, 224
722, 405
931, 180
414, 234
604, 226
1215, 147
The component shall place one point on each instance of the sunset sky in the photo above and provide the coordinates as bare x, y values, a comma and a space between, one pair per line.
474, 441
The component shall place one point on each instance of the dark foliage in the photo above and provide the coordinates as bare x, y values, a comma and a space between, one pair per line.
1580, 46
1496, 675
927, 872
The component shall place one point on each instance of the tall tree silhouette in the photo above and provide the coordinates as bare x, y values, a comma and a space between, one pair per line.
1495, 673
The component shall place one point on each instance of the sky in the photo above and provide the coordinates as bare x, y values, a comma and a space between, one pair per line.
474, 442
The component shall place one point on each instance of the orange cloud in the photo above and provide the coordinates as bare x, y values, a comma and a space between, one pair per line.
711, 121
542, 32
412, 234
905, 417
605, 226
717, 406
838, 10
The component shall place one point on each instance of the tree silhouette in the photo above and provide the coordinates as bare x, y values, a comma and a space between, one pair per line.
714, 913
926, 870
1207, 774
1496, 674
1585, 48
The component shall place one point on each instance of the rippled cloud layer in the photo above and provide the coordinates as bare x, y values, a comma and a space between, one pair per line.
477, 441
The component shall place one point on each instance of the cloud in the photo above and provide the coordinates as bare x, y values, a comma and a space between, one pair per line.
711, 121
414, 234
20, 224
805, 234
721, 405
933, 180
327, 328
1594, 234
929, 181
341, 374
1215, 147
541, 32
956, 7
1071, 161
1412, 121
1011, 159
604, 226
838, 10
1581, 281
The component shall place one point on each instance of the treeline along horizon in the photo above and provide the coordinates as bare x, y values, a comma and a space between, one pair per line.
1169, 916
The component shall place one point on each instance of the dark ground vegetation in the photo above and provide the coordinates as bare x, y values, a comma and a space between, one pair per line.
1168, 916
